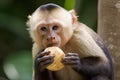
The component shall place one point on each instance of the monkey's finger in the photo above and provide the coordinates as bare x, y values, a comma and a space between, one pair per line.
71, 54
70, 62
71, 58
45, 58
43, 53
47, 62
39, 53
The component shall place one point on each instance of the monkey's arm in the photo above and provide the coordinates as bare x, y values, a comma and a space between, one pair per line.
39, 70
89, 66
92, 66
41, 60
40, 63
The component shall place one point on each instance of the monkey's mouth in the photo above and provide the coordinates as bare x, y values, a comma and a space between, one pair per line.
52, 44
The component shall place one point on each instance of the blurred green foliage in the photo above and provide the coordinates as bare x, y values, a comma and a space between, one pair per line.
87, 12
15, 43
18, 66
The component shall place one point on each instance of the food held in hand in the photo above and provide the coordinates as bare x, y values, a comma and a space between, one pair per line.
59, 54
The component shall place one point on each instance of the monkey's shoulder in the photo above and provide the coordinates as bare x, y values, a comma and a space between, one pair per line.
96, 37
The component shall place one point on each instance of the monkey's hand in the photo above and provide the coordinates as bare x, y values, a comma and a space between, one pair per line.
73, 60
43, 59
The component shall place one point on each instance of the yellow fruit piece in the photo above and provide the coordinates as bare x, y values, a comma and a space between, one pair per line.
59, 54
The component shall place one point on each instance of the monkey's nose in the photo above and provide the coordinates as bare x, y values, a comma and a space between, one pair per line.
50, 39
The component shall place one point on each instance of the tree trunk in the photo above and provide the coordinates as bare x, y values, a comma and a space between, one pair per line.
109, 29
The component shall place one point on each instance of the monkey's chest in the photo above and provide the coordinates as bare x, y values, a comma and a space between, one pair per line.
67, 73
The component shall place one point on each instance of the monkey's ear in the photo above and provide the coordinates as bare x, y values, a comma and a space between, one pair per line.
28, 21
74, 17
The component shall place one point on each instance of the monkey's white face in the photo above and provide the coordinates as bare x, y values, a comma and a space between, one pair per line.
52, 32
53, 29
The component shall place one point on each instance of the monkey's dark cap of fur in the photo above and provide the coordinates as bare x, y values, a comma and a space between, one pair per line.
48, 7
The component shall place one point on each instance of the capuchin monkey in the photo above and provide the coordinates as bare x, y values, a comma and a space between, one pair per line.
86, 57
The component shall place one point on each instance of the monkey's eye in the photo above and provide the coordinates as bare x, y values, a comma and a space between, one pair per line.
55, 27
43, 29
